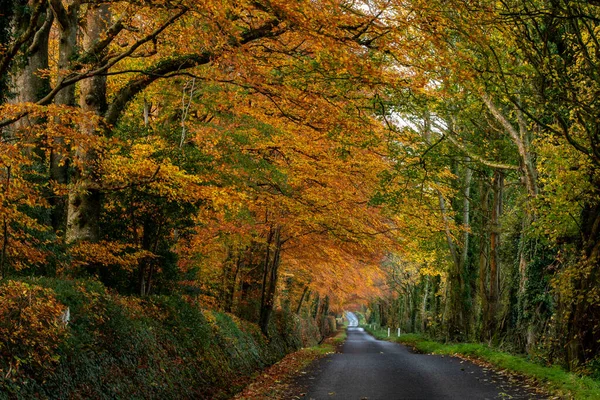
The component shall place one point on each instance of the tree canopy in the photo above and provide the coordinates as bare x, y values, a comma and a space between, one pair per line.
434, 161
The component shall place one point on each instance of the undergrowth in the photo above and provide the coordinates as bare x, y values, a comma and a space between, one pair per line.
115, 346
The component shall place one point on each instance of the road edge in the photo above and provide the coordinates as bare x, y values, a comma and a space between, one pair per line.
275, 382
552, 381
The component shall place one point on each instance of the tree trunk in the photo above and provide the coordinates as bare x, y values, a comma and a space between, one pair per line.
233, 284
414, 309
322, 318
266, 273
484, 260
67, 18
304, 294
583, 332
84, 196
29, 80
316, 306
457, 317
382, 316
270, 278
424, 305
494, 292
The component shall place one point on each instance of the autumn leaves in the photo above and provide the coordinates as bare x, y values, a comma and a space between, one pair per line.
272, 154
231, 146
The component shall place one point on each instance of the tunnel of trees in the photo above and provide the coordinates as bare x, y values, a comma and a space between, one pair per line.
435, 160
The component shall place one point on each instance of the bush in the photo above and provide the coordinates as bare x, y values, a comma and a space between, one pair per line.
156, 347
31, 330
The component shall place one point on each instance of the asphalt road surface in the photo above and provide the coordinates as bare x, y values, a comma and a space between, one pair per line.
352, 319
370, 369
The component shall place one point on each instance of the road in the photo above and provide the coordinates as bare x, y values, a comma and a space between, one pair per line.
372, 369
352, 319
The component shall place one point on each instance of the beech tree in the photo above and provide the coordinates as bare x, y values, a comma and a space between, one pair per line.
436, 159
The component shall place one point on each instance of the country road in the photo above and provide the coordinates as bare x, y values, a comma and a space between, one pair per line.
352, 319
372, 369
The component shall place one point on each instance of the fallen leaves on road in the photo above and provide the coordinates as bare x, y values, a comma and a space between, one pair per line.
273, 382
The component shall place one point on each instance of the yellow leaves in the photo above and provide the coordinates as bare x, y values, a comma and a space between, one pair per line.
18, 229
142, 168
563, 177
30, 329
224, 199
344, 273
107, 254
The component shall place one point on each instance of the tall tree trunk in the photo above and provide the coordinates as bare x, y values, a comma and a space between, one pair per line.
382, 315
29, 80
424, 304
484, 260
266, 272
6, 36
415, 308
3, 253
519, 135
84, 196
494, 292
229, 282
270, 278
67, 15
304, 295
583, 342
466, 217
144, 264
457, 318
324, 323
230, 301
465, 302
317, 303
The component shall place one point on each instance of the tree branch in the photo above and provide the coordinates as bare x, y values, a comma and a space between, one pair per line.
13, 49
43, 31
476, 157
135, 86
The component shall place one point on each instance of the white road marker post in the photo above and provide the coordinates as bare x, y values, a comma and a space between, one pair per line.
398, 332
388, 332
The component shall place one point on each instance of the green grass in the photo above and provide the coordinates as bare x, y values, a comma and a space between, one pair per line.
329, 345
552, 378
340, 337
322, 348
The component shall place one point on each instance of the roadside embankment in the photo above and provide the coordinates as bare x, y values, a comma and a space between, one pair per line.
77, 339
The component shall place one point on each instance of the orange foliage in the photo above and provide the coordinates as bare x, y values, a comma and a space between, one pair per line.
31, 329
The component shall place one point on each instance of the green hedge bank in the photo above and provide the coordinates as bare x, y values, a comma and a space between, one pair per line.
125, 347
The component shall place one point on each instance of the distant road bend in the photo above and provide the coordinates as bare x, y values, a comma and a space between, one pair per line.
370, 369
352, 319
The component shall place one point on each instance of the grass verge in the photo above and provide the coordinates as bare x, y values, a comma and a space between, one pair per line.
553, 379
274, 382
